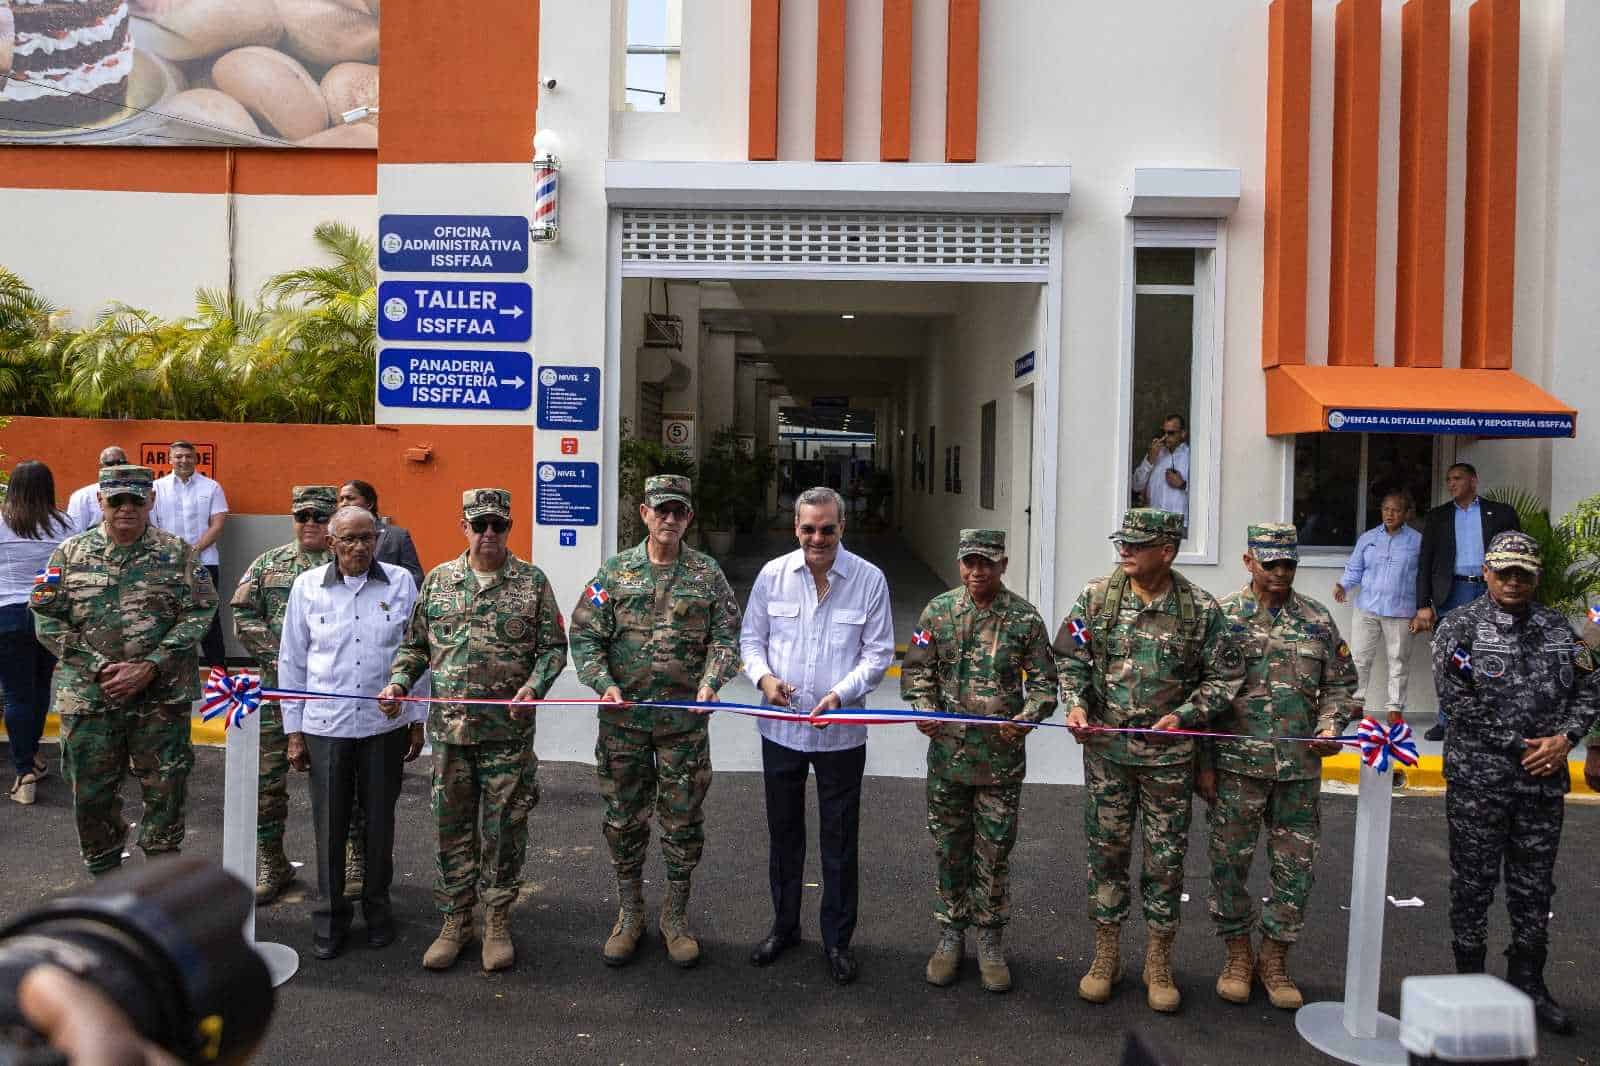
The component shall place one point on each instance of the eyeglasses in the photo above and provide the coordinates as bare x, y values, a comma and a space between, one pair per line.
827, 530
124, 499
483, 524
358, 538
311, 517
672, 510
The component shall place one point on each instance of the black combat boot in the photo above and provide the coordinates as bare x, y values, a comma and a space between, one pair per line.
1525, 972
1469, 960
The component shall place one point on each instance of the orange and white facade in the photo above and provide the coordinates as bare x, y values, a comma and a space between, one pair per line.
1388, 206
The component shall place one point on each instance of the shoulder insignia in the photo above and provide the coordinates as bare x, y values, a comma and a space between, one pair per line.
597, 594
1078, 630
1461, 659
1229, 656
50, 575
1343, 650
921, 638
43, 595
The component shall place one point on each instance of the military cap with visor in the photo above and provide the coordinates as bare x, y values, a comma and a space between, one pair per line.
1272, 542
1149, 525
989, 543
127, 480
1513, 550
665, 488
478, 503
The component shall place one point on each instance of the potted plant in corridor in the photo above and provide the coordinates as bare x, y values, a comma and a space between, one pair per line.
637, 460
731, 493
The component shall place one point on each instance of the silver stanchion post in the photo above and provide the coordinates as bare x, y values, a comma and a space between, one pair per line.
1355, 1030
239, 835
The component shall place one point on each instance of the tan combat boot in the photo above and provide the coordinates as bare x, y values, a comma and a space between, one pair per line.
1273, 969
993, 972
626, 934
355, 872
1106, 969
24, 788
273, 874
682, 947
456, 934
498, 950
1233, 984
1161, 993
945, 962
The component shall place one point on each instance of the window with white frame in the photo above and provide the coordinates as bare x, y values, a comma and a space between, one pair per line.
1341, 479
1173, 376
652, 71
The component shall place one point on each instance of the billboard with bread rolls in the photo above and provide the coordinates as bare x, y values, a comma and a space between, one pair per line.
270, 73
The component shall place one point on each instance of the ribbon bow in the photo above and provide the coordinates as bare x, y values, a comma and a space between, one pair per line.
231, 695
1380, 744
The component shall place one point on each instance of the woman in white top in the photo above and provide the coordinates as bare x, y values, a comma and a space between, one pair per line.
30, 528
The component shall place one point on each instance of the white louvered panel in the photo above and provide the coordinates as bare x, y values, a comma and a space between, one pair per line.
1174, 233
835, 244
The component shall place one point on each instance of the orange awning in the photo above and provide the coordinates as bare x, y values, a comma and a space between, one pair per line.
1434, 400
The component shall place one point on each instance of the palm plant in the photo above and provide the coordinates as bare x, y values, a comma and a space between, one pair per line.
1571, 566
29, 363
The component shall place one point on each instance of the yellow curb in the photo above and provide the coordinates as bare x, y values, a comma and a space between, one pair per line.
213, 733
1428, 774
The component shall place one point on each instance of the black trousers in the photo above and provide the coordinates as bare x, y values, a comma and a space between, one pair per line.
1491, 830
212, 648
838, 815
343, 769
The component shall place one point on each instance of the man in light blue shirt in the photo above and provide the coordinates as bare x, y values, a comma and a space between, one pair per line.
1384, 566
817, 636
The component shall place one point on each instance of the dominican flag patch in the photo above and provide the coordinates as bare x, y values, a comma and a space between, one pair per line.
1594, 613
598, 595
921, 638
50, 575
1078, 632
1461, 659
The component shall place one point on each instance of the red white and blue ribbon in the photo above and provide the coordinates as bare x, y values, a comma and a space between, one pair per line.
1382, 745
231, 696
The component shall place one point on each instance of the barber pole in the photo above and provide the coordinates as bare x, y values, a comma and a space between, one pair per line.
546, 188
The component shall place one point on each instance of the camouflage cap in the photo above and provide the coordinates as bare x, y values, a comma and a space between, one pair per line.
321, 497
1512, 550
476, 503
126, 479
989, 543
1271, 542
1149, 525
666, 487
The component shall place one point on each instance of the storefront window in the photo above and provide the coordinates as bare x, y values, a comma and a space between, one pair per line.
1163, 376
1340, 480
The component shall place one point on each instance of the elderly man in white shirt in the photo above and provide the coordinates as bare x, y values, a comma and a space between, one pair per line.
817, 636
342, 625
83, 506
192, 506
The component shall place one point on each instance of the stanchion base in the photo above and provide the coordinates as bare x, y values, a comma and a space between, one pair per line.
1322, 1026
281, 959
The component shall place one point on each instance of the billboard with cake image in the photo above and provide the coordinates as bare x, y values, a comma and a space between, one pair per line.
273, 73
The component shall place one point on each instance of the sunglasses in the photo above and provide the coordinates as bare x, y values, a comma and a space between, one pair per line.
483, 525
672, 510
827, 531
311, 517
124, 499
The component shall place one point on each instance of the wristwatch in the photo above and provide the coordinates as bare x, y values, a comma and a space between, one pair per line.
1574, 737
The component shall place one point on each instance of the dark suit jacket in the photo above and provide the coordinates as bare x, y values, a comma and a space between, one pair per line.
394, 546
1436, 565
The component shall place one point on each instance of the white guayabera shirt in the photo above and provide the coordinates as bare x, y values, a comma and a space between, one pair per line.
184, 509
842, 645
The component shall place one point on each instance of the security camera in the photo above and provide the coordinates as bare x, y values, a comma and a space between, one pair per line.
550, 85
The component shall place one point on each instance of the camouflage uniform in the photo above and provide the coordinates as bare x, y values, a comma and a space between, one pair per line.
258, 606
1299, 681
490, 640
150, 601
992, 661
656, 633
1129, 668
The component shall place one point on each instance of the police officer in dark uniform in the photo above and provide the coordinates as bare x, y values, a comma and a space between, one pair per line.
1520, 691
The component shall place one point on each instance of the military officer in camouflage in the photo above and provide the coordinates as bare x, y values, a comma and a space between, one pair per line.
258, 605
658, 622
130, 605
977, 650
1299, 681
488, 625
1519, 692
1143, 648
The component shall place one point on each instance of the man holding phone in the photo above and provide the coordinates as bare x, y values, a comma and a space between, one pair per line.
1163, 475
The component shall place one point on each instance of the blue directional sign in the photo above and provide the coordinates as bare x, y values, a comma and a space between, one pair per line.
569, 397
458, 244
460, 380
427, 310
1460, 423
569, 538
567, 494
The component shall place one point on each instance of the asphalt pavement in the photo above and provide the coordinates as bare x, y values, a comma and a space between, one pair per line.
561, 1004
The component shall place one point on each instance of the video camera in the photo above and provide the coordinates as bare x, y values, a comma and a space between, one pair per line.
165, 944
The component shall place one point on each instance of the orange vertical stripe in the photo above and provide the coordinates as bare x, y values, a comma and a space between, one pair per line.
961, 83
1491, 238
764, 23
1424, 157
456, 93
894, 130
1353, 273
1288, 183
830, 80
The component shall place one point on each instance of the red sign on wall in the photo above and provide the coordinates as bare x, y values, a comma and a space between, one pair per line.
155, 457
569, 445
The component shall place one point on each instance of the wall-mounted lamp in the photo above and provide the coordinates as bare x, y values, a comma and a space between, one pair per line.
546, 185
356, 114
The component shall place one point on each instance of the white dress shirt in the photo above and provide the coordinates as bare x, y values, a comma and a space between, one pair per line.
185, 508
21, 559
842, 645
340, 635
1151, 479
83, 506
